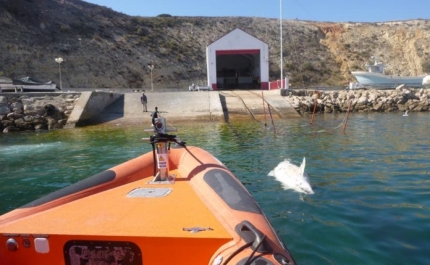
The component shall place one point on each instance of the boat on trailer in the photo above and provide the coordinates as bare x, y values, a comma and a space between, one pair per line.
375, 77
177, 204
28, 84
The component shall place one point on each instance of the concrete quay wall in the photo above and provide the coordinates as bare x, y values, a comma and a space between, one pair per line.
89, 105
57, 110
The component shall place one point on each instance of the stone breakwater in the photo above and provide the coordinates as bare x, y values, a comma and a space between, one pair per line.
400, 99
32, 112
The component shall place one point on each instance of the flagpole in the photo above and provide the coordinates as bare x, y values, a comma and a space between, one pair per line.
280, 26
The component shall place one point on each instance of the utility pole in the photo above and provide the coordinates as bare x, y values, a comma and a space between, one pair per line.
59, 60
151, 67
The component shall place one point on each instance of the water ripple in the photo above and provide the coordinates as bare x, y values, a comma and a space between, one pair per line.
371, 203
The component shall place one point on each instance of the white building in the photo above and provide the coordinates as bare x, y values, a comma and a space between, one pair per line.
237, 61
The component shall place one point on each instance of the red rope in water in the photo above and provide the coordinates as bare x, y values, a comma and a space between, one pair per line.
315, 107
270, 113
347, 115
264, 109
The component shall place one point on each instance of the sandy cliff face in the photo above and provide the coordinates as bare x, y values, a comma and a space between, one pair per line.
105, 49
401, 45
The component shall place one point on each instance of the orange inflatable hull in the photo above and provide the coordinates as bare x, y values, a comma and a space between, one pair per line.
200, 215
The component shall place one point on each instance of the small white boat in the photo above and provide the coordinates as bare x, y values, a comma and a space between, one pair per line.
375, 77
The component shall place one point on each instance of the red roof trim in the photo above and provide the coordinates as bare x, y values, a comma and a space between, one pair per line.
223, 52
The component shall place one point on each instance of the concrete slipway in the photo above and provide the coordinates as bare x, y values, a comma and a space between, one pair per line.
185, 106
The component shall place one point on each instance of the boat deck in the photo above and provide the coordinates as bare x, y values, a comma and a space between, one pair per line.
124, 213
128, 217
201, 215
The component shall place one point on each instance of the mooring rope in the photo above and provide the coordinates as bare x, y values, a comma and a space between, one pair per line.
347, 115
270, 113
264, 109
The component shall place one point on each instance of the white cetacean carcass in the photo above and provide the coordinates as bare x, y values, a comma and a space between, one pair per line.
292, 176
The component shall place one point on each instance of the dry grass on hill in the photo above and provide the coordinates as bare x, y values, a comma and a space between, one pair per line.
105, 49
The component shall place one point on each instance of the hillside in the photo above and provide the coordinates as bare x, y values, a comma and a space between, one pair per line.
102, 48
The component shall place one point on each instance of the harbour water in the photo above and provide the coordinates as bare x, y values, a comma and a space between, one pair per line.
372, 183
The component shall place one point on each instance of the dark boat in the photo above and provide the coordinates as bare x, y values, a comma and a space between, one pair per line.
28, 84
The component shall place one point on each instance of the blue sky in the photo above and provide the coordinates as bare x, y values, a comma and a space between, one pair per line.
315, 10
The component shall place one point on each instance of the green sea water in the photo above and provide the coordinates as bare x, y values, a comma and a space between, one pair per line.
372, 183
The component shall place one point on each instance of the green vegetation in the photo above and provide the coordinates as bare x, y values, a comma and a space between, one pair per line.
426, 66
63, 28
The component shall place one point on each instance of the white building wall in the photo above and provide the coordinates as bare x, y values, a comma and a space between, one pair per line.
237, 40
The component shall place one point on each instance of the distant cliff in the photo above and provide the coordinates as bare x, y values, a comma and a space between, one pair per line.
102, 48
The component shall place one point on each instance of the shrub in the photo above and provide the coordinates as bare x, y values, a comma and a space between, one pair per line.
426, 66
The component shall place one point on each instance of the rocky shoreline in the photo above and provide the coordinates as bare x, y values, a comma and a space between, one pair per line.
35, 112
400, 99
32, 112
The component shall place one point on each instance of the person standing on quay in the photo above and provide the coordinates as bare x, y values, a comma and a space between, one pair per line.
144, 101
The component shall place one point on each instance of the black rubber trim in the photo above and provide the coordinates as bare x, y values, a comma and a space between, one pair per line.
84, 184
232, 192
249, 233
256, 261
